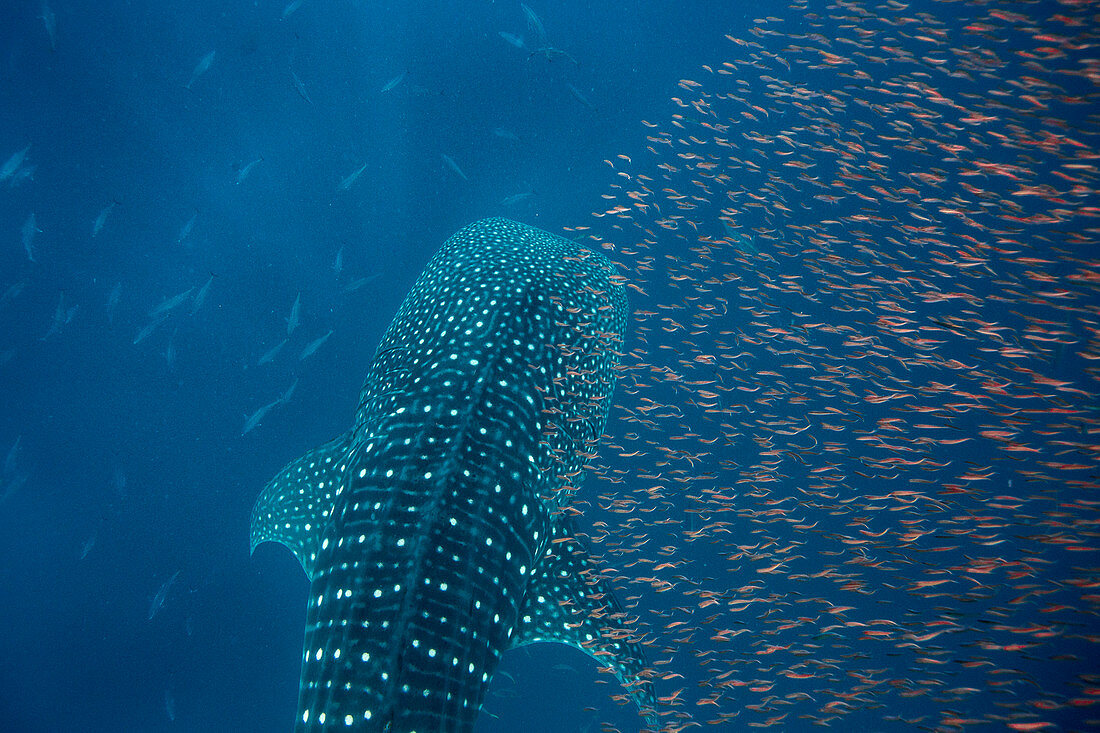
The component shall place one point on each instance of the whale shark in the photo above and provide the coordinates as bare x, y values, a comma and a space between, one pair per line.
436, 532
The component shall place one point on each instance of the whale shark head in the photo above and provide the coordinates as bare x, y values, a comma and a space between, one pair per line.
432, 531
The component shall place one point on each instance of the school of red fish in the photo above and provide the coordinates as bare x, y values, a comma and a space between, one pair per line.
851, 471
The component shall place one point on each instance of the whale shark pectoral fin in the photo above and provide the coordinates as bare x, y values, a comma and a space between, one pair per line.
567, 602
296, 504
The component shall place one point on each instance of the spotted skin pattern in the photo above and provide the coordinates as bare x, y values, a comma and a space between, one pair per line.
431, 532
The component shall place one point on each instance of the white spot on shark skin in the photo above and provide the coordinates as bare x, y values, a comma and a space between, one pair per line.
453, 416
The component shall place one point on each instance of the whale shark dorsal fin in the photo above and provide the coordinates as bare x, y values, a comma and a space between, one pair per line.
566, 602
296, 503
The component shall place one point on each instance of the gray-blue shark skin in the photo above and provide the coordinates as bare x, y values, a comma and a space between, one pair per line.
432, 531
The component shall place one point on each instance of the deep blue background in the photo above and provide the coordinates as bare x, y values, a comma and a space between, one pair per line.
146, 457
133, 456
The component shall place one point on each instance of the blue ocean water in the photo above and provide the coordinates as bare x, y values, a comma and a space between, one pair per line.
248, 157
137, 465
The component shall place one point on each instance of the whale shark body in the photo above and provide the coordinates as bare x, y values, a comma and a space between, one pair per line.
433, 531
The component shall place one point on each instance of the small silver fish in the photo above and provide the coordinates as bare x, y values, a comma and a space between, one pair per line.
360, 282
242, 173
514, 40
88, 545
347, 182
289, 392
251, 421
171, 303
30, 228
200, 298
516, 198
292, 320
97, 225
62, 316
12, 292
454, 167
312, 346
290, 8
272, 352
49, 20
169, 352
149, 329
186, 229
394, 81
201, 68
300, 87
338, 263
534, 24
161, 596
580, 97
13, 163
